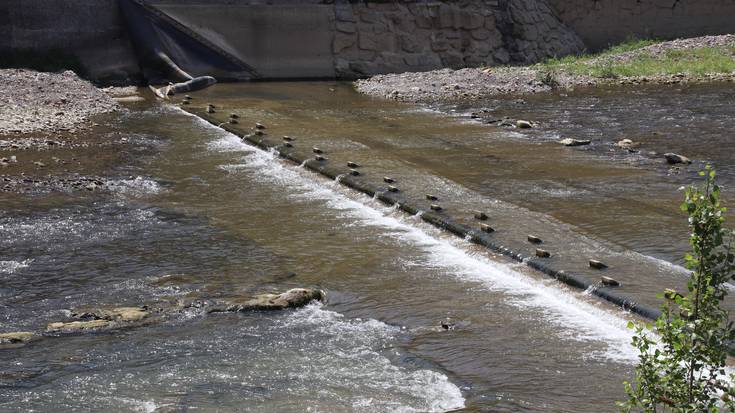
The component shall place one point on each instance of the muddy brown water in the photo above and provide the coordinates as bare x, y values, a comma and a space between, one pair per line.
209, 216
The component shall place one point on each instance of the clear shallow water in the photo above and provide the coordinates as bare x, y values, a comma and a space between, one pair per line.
210, 217
637, 209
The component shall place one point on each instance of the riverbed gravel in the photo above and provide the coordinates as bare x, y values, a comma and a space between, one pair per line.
33, 101
449, 86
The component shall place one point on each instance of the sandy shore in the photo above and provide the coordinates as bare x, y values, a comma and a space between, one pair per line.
447, 86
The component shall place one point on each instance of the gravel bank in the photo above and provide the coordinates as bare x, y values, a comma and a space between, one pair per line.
447, 86
33, 101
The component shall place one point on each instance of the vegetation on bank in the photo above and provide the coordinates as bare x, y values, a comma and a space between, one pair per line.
629, 60
683, 355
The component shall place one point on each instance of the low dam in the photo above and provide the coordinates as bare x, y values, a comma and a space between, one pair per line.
429, 320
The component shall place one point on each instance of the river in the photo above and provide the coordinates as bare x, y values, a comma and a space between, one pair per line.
204, 215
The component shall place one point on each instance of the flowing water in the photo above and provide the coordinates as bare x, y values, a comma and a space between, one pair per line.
211, 217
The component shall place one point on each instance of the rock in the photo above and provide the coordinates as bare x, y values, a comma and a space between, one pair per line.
121, 314
486, 228
610, 282
541, 253
523, 124
625, 144
297, 297
77, 326
574, 142
448, 324
39, 164
129, 99
125, 314
674, 158
16, 337
599, 265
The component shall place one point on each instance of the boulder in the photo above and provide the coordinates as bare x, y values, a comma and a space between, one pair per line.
297, 297
523, 124
625, 144
674, 158
16, 337
574, 142
78, 326
122, 314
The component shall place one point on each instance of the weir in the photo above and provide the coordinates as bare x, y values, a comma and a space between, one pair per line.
434, 214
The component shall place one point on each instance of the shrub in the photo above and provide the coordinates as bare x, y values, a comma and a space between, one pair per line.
683, 369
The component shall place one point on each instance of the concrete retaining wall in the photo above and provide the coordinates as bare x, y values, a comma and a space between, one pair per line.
327, 38
601, 23
89, 31
352, 39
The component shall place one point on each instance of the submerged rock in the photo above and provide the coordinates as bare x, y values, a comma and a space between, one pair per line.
674, 158
78, 326
124, 314
574, 142
100, 318
297, 297
625, 144
18, 337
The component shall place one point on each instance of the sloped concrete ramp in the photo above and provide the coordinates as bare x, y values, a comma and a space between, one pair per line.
279, 41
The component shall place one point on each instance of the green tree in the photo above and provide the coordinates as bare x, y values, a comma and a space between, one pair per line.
683, 354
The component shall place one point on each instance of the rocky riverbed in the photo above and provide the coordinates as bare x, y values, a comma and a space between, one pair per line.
33, 101
451, 86
56, 133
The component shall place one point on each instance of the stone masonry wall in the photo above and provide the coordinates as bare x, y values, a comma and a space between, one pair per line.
382, 37
601, 23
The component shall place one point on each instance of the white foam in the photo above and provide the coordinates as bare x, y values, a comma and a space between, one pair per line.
419, 390
9, 267
138, 186
143, 406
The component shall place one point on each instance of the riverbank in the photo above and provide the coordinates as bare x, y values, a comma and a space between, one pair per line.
33, 101
701, 59
57, 133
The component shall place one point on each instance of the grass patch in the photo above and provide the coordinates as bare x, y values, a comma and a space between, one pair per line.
698, 61
573, 61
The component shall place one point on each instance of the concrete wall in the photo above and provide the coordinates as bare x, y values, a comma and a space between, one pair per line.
278, 40
360, 38
88, 30
601, 23
324, 38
